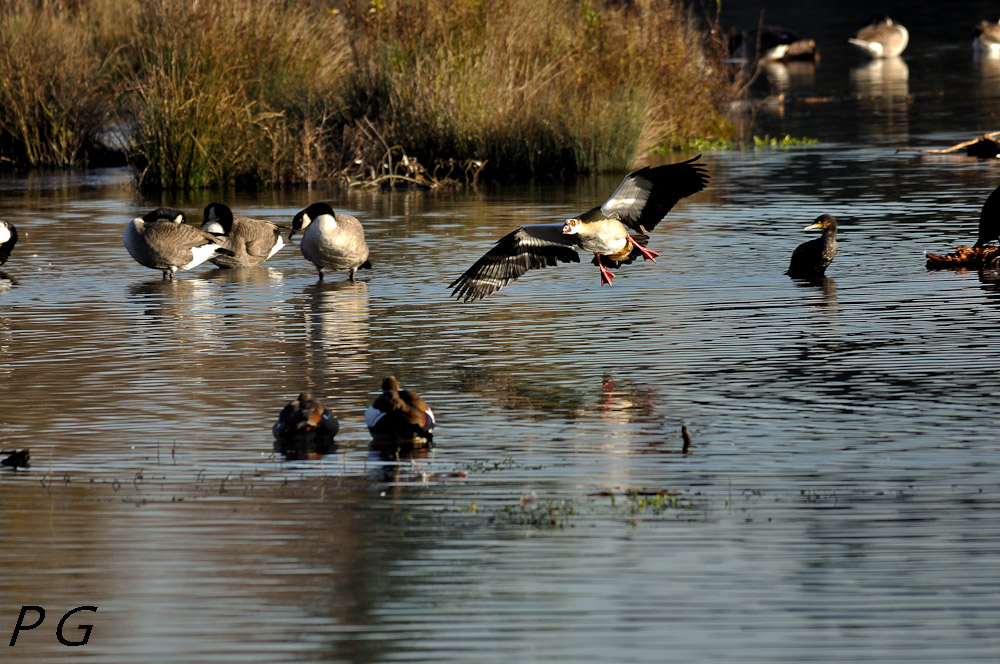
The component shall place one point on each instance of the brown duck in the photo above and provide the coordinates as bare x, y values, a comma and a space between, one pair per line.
399, 415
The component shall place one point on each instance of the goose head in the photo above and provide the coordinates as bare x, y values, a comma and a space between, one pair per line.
218, 219
305, 217
572, 227
172, 215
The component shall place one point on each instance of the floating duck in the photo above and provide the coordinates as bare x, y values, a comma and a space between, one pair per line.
252, 241
8, 238
810, 259
161, 240
882, 38
981, 254
399, 416
987, 38
638, 204
330, 240
305, 417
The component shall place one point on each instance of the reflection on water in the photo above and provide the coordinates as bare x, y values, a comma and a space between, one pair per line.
882, 89
839, 501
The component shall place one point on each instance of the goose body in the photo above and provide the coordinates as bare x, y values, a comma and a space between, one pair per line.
161, 240
882, 38
810, 259
252, 241
331, 241
615, 232
399, 416
987, 38
8, 238
304, 418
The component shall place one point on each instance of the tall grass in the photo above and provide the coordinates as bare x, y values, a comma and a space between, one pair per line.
534, 85
250, 93
53, 86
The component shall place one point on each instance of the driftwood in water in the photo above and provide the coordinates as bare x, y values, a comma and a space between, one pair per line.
985, 147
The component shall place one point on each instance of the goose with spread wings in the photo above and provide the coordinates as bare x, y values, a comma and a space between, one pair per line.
638, 204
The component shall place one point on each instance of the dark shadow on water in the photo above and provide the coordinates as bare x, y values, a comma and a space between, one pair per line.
312, 446
6, 281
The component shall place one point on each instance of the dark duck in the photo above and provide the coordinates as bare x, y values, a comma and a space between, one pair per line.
399, 416
810, 259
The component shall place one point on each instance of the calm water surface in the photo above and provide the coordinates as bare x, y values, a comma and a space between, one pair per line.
840, 501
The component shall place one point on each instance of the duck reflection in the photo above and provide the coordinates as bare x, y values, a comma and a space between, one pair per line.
298, 448
882, 88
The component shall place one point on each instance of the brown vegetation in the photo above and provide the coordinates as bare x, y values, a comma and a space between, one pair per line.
236, 92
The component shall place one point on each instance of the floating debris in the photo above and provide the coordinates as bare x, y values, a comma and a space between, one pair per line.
965, 257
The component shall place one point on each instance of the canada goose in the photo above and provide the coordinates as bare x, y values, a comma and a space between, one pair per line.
8, 238
882, 38
161, 240
987, 38
330, 240
639, 203
810, 259
252, 241
304, 418
767, 44
399, 416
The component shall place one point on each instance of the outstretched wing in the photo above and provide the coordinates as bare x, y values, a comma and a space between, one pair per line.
527, 248
647, 195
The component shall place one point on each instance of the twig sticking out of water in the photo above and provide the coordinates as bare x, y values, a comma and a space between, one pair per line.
686, 435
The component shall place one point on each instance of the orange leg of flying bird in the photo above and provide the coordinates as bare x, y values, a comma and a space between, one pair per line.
606, 274
647, 254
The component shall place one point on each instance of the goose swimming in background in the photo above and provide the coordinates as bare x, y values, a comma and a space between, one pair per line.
810, 259
303, 418
252, 241
331, 241
638, 204
882, 38
987, 38
399, 416
8, 238
161, 240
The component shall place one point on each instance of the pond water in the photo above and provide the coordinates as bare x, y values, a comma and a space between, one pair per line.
839, 502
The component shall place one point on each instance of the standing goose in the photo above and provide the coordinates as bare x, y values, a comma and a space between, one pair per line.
639, 203
330, 240
882, 38
161, 240
399, 416
8, 238
252, 241
810, 259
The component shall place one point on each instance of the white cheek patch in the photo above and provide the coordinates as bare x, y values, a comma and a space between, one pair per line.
4, 234
213, 227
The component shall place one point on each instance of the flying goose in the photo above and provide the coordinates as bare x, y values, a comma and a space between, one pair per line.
810, 259
252, 241
304, 418
161, 240
988, 38
330, 240
8, 238
399, 416
882, 38
638, 204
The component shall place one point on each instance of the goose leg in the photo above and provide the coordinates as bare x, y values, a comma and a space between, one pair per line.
606, 275
647, 254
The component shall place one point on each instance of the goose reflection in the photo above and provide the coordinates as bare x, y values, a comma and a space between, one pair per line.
6, 282
179, 304
786, 77
336, 317
882, 88
245, 275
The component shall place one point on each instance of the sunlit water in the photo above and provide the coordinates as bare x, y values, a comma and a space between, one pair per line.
839, 501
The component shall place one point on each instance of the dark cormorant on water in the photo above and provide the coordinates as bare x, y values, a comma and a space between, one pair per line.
810, 259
